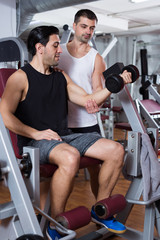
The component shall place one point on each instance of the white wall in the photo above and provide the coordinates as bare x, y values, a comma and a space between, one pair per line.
7, 18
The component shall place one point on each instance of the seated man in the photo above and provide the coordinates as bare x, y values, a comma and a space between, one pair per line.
34, 106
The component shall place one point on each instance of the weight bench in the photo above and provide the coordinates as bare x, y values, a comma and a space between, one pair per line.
152, 106
150, 109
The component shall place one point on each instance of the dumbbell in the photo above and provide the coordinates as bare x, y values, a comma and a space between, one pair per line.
109, 206
113, 81
75, 218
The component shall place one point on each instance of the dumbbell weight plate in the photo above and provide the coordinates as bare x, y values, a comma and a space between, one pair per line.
114, 83
134, 71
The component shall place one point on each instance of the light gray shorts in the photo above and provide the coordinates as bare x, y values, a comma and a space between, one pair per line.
81, 141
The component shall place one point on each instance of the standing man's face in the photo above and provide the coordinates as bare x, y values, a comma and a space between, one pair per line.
84, 29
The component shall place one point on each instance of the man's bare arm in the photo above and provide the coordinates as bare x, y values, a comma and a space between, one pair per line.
97, 76
78, 95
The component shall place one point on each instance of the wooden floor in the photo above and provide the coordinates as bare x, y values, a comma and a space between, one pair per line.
82, 195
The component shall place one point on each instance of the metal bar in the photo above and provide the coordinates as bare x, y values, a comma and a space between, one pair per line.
149, 220
109, 47
33, 182
70, 234
7, 210
131, 111
154, 93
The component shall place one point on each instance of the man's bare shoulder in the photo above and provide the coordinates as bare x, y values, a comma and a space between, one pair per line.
18, 73
66, 76
18, 78
99, 62
99, 57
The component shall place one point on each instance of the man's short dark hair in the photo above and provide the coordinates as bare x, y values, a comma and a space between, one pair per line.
41, 35
85, 13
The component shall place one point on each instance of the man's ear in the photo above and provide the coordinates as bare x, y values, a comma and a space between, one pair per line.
74, 26
39, 47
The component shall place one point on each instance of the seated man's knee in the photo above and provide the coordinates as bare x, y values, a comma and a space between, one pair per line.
71, 162
118, 154
120, 149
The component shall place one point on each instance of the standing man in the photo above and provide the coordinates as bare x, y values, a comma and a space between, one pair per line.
85, 66
34, 106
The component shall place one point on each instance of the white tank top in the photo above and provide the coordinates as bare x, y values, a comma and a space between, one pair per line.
80, 70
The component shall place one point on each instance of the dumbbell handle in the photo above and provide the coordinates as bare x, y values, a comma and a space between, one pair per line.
134, 71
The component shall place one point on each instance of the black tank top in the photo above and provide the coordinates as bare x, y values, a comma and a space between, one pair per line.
45, 105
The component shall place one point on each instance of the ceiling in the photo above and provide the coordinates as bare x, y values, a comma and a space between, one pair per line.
118, 17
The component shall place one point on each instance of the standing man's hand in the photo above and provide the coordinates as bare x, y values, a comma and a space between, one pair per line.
91, 106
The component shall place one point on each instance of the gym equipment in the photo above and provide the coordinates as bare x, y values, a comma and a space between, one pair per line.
18, 215
149, 110
144, 73
136, 187
13, 49
133, 171
75, 218
113, 81
110, 206
25, 165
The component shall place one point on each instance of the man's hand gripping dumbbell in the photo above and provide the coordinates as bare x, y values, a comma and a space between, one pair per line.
115, 78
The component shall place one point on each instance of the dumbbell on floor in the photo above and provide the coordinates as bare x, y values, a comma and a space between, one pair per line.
113, 81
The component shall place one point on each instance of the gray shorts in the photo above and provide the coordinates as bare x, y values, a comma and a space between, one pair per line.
81, 141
